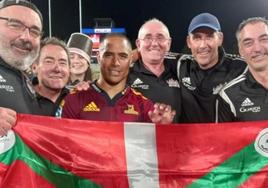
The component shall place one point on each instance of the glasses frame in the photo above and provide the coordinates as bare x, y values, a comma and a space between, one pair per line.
34, 32
158, 39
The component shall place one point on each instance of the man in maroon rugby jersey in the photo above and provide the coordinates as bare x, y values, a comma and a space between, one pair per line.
109, 98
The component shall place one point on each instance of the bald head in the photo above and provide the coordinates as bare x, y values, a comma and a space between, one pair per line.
150, 22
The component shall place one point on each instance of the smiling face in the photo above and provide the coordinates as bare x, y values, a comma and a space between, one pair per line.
19, 48
153, 42
253, 45
114, 59
204, 43
79, 64
53, 68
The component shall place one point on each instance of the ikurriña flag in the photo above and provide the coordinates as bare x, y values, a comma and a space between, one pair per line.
46, 152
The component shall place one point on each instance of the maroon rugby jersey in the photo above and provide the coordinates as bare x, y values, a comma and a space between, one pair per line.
95, 104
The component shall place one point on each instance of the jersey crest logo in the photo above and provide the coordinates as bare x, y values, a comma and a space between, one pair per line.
91, 107
131, 110
173, 83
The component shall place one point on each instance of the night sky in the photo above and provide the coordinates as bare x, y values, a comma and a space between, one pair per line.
176, 14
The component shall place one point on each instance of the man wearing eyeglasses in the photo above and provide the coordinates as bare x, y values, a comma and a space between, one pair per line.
20, 33
152, 75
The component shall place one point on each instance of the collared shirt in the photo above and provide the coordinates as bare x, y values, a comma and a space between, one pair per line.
162, 89
48, 107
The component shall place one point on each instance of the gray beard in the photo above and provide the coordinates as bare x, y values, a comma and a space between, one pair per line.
20, 64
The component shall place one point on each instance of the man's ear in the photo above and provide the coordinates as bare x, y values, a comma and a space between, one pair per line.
135, 55
34, 67
240, 50
169, 44
220, 35
98, 57
138, 43
188, 42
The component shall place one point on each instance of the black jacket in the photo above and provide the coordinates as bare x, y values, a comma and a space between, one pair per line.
16, 91
243, 99
199, 87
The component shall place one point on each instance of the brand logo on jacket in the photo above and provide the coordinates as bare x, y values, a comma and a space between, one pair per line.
91, 107
2, 79
186, 81
248, 106
247, 102
8, 88
138, 83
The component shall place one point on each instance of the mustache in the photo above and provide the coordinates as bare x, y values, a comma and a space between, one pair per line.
25, 45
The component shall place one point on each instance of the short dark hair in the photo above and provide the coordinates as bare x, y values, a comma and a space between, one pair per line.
53, 41
249, 21
119, 35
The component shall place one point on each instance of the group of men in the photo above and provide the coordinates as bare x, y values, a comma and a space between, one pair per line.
21, 33
207, 86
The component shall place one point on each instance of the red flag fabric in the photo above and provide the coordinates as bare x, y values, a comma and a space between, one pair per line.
51, 152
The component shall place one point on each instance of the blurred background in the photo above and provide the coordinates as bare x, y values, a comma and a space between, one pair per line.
129, 15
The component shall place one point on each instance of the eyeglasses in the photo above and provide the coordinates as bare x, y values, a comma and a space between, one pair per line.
158, 39
18, 26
